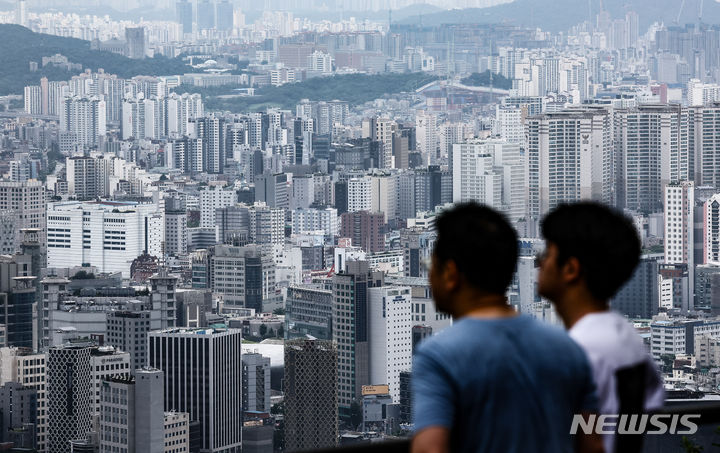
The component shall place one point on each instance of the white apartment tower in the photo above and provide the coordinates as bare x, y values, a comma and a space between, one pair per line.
569, 158
679, 231
390, 335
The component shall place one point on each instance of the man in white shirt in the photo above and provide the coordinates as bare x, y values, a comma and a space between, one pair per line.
591, 252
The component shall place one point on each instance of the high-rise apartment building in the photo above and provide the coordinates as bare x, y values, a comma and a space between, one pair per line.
569, 158
203, 376
311, 394
84, 118
648, 155
81, 177
679, 234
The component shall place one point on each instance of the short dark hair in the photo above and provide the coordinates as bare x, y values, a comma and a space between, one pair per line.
602, 239
482, 244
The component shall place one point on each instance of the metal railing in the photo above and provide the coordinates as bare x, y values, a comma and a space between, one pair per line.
708, 433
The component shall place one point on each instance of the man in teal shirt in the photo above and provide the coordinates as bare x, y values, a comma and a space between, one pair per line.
494, 381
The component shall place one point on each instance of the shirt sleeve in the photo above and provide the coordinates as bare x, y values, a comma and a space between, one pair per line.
589, 394
655, 391
433, 400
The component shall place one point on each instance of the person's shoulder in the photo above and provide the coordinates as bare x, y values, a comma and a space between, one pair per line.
552, 337
609, 332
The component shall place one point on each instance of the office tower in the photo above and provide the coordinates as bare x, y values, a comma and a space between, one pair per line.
81, 177
224, 15
28, 369
175, 227
433, 188
267, 224
302, 192
384, 195
69, 401
417, 245
351, 329
132, 417
127, 331
256, 383
638, 298
53, 289
105, 361
359, 194
272, 189
569, 158
205, 15
311, 394
212, 199
232, 225
679, 230
184, 15
18, 311
390, 345
26, 202
203, 376
245, 276
18, 415
307, 220
308, 311
84, 118
162, 289
8, 230
107, 235
366, 229
135, 39
401, 144
33, 100
649, 155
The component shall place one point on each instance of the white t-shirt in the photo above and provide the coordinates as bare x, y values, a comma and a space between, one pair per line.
612, 344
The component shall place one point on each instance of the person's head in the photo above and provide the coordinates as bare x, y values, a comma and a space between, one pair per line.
589, 246
476, 250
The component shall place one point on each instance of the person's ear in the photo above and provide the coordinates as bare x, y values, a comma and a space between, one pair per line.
571, 270
450, 276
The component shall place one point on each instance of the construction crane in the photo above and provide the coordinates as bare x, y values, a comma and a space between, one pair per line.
677, 19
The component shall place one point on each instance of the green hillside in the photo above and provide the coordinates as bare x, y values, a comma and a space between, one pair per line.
19, 46
353, 88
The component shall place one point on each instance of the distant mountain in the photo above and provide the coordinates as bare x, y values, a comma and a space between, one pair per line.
560, 15
19, 46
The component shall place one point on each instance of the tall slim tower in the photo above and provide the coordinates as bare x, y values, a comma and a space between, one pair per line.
68, 395
311, 394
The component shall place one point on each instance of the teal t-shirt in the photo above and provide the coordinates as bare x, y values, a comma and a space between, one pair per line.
509, 385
